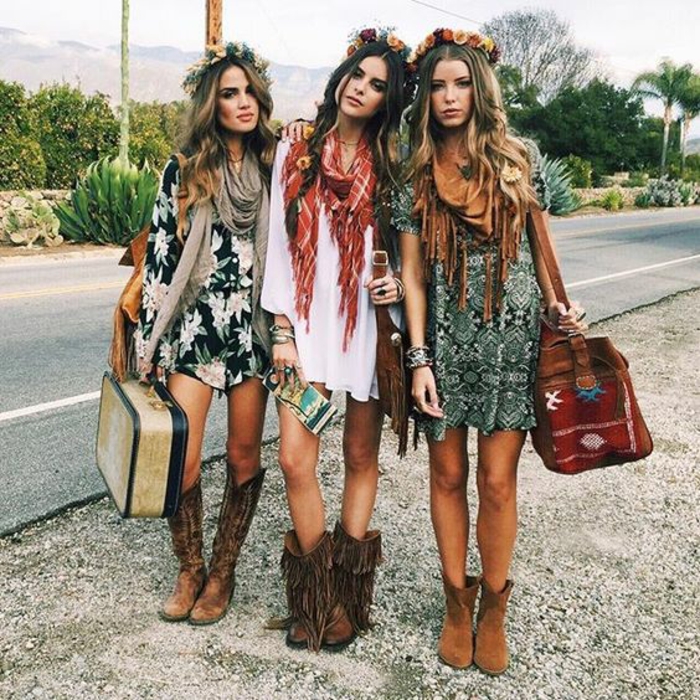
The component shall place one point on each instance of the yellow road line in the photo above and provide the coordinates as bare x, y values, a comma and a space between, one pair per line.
62, 290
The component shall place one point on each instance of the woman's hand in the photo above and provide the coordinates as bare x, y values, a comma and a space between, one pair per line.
424, 392
294, 131
383, 291
566, 320
285, 360
146, 371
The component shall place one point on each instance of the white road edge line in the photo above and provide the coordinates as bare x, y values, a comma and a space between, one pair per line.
627, 273
42, 407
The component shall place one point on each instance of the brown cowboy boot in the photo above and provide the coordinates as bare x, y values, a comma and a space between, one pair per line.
309, 590
186, 534
456, 645
491, 648
354, 564
237, 511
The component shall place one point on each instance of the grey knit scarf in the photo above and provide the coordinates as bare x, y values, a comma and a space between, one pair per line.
243, 205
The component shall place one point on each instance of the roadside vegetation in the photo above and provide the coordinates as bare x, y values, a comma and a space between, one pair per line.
602, 151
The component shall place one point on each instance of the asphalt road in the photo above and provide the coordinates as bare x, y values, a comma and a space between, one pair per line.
55, 318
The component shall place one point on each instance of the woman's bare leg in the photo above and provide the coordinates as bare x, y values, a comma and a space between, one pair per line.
195, 399
361, 437
497, 522
449, 468
298, 457
246, 418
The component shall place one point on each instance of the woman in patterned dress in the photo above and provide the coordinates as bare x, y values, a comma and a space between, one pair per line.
328, 192
201, 327
473, 295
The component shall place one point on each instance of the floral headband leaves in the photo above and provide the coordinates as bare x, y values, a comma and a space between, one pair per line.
459, 37
369, 35
218, 52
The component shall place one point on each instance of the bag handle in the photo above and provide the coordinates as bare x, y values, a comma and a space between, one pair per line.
538, 226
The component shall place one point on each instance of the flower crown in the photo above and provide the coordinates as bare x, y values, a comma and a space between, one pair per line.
362, 37
459, 37
218, 52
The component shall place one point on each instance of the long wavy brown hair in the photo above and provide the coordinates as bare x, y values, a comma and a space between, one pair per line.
487, 140
203, 142
382, 133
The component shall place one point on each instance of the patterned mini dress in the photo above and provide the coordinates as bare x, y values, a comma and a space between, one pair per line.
213, 340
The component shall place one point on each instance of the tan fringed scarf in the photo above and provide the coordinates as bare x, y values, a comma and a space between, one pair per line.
457, 217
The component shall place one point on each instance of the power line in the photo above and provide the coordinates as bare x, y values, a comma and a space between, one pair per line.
446, 12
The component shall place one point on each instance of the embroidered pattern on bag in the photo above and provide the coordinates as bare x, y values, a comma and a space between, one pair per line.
553, 399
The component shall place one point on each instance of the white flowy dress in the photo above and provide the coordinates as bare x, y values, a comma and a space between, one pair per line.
320, 348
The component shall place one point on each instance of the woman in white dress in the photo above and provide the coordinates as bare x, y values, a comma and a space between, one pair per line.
330, 205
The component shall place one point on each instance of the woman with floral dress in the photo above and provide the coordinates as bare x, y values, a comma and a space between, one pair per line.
473, 295
201, 325
330, 206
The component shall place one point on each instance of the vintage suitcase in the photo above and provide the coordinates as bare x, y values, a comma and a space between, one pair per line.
141, 445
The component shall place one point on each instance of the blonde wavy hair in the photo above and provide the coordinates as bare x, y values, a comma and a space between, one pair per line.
203, 143
487, 140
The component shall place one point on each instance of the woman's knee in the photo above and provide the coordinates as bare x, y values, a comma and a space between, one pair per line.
297, 468
360, 455
496, 489
449, 477
243, 457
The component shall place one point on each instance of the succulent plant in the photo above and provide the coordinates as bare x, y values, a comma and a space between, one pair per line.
29, 220
111, 204
562, 196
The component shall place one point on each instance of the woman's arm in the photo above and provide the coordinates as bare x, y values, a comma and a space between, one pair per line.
424, 389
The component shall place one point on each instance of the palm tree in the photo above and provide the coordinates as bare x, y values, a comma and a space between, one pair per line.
124, 132
666, 83
689, 102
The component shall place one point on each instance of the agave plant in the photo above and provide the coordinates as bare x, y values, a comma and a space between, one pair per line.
558, 180
111, 204
29, 220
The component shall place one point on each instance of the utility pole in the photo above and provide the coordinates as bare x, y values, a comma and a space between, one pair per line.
214, 22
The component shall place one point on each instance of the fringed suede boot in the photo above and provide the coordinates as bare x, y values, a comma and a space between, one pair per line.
186, 534
456, 645
237, 511
309, 590
491, 648
354, 565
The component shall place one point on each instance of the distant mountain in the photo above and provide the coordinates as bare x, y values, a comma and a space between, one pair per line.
155, 71
693, 146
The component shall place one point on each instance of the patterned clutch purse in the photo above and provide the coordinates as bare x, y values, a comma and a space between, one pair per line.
311, 407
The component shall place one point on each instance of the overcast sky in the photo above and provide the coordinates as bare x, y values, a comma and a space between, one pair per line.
628, 36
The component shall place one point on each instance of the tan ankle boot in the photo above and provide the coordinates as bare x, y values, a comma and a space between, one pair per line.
186, 534
237, 511
309, 590
354, 565
491, 648
456, 645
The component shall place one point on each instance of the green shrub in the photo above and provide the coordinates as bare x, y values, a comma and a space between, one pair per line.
110, 204
22, 164
612, 200
148, 140
73, 130
563, 197
581, 171
673, 193
638, 179
643, 200
30, 220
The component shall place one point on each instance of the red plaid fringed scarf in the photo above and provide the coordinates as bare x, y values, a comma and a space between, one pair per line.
347, 199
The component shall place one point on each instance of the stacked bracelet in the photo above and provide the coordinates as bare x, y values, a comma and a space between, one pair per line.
400, 290
418, 356
281, 334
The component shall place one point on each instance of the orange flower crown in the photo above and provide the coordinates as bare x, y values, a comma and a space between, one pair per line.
459, 37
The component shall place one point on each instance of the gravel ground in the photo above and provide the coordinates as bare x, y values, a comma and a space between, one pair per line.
606, 569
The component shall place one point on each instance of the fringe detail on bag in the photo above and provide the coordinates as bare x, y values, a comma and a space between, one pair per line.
309, 592
355, 562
